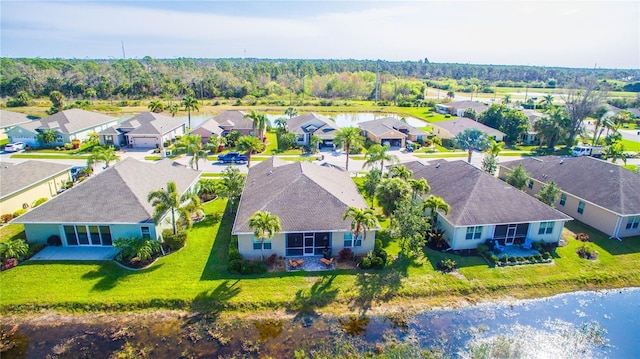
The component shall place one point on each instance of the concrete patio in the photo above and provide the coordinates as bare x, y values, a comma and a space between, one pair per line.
76, 254
311, 264
518, 251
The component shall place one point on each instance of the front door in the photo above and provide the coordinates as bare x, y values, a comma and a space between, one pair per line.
308, 244
511, 234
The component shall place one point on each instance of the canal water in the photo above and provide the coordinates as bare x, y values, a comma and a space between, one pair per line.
603, 324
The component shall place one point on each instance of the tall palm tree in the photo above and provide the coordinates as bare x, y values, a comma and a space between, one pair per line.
156, 106
434, 204
399, 171
362, 219
259, 122
46, 137
264, 225
249, 144
547, 101
214, 143
615, 152
164, 201
190, 103
102, 154
291, 112
471, 139
281, 123
378, 153
348, 137
418, 187
173, 109
494, 147
192, 144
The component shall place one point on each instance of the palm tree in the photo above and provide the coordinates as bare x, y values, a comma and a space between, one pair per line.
494, 147
170, 200
138, 248
471, 139
13, 248
451, 94
249, 144
190, 103
378, 153
399, 171
102, 154
291, 112
231, 185
264, 225
615, 152
418, 187
362, 219
173, 109
434, 204
57, 101
47, 137
348, 137
281, 123
507, 99
259, 122
214, 143
547, 101
156, 106
192, 144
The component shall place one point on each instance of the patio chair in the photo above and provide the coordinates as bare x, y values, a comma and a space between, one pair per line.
327, 262
499, 247
527, 244
293, 264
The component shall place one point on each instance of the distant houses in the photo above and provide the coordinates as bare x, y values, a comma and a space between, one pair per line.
9, 120
449, 129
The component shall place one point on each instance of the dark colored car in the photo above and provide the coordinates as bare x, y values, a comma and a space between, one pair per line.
232, 157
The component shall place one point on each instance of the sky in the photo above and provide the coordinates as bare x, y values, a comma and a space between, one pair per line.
603, 34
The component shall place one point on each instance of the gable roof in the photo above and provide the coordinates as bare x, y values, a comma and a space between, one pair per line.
478, 198
305, 196
15, 177
117, 195
73, 120
478, 107
234, 119
383, 125
8, 118
149, 123
300, 124
459, 124
599, 182
210, 126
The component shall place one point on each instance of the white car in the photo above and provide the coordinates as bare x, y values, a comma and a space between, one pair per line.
14, 147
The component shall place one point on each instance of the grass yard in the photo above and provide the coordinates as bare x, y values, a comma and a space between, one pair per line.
631, 145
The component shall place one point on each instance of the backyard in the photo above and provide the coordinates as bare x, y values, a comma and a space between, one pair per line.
196, 278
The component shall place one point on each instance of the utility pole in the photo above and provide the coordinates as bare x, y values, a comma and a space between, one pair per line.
377, 80
123, 54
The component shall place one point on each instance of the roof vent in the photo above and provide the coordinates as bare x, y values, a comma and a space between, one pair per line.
269, 173
561, 161
438, 165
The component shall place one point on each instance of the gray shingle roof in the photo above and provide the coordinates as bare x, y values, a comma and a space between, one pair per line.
383, 125
477, 198
16, 177
326, 128
604, 184
8, 118
117, 195
235, 119
459, 124
305, 196
73, 120
210, 126
149, 123
110, 131
478, 107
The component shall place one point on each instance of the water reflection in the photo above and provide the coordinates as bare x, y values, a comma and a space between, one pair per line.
354, 325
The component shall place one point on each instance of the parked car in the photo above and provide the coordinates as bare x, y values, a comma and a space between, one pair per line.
14, 147
231, 157
75, 171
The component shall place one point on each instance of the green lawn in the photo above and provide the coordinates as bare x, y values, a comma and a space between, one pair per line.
631, 145
196, 278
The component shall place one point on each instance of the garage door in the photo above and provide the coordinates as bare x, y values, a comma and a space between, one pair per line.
30, 141
144, 142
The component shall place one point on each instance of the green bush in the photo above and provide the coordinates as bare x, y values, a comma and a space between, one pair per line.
234, 254
504, 258
253, 267
377, 262
67, 146
377, 247
447, 265
38, 202
174, 241
382, 254
494, 259
483, 249
6, 217
365, 263
512, 259
520, 259
13, 248
235, 266
19, 212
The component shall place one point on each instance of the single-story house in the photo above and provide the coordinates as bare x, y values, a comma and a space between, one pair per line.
531, 136
635, 112
310, 201
209, 128
484, 207
457, 108
449, 129
309, 124
234, 120
110, 205
146, 130
9, 120
598, 193
73, 124
392, 131
23, 183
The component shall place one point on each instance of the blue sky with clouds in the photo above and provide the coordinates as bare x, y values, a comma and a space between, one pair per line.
547, 33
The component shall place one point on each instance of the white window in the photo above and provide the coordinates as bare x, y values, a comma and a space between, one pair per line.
259, 245
633, 223
546, 228
474, 233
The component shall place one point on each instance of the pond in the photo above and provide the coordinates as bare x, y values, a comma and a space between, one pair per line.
575, 325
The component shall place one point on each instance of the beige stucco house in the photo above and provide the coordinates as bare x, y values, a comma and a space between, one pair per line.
449, 129
110, 205
601, 194
310, 201
310, 124
484, 207
391, 131
24, 183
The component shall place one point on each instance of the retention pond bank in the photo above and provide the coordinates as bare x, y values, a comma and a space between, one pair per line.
582, 324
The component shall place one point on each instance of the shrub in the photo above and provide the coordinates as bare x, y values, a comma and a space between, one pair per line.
377, 247
582, 237
587, 252
546, 255
365, 263
234, 254
512, 259
447, 265
10, 263
137, 248
483, 249
382, 254
38, 202
174, 241
67, 146
271, 260
377, 262
494, 259
253, 267
538, 258
19, 212
13, 248
521, 259
54, 240
6, 217
235, 266
504, 258
536, 246
345, 254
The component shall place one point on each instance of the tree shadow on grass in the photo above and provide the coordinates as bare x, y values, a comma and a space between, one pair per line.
306, 302
213, 301
628, 245
218, 260
109, 274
